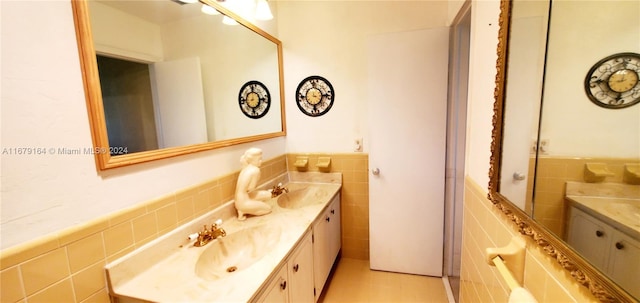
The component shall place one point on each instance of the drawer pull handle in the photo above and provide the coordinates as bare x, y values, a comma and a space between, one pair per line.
619, 245
283, 285
599, 233
296, 267
328, 219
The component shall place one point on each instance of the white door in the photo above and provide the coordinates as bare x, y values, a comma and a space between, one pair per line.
178, 98
522, 112
408, 112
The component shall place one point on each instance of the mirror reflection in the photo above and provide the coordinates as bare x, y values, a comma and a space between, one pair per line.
572, 165
523, 90
170, 75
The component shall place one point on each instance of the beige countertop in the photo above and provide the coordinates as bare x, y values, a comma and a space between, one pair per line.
164, 269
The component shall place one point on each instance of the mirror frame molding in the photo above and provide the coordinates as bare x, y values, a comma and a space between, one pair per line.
95, 109
603, 288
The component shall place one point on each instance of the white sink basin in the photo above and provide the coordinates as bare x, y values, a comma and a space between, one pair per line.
236, 251
301, 195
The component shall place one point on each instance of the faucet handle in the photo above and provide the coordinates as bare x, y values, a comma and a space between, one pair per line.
216, 224
204, 230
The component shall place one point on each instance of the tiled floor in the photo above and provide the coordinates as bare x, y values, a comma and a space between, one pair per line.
353, 281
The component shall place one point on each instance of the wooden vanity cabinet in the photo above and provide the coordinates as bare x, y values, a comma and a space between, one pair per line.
326, 243
612, 251
300, 268
590, 237
277, 290
624, 262
304, 274
294, 280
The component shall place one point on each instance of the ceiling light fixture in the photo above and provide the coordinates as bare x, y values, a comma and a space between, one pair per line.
263, 12
209, 10
248, 9
229, 21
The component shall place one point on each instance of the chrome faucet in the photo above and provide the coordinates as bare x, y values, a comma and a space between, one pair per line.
209, 234
278, 190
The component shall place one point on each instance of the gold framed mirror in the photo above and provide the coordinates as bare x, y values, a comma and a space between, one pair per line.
200, 111
582, 270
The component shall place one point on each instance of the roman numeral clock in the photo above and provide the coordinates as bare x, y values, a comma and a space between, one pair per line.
613, 82
315, 96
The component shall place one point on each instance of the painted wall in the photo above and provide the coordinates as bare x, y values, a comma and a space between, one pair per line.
145, 43
572, 124
43, 106
329, 39
482, 70
258, 60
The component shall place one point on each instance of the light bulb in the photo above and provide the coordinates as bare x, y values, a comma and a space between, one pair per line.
209, 10
228, 21
263, 12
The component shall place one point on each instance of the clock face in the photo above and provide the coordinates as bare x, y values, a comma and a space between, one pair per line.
254, 99
613, 82
315, 96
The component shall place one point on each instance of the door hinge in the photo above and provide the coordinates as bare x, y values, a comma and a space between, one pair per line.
314, 291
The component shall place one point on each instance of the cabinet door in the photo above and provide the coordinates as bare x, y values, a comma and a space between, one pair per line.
326, 243
624, 262
321, 264
277, 291
301, 272
590, 237
335, 229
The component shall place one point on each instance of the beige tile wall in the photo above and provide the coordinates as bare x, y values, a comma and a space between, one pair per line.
355, 198
485, 226
68, 266
551, 175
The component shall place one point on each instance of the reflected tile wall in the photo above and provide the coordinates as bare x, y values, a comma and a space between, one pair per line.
485, 226
553, 172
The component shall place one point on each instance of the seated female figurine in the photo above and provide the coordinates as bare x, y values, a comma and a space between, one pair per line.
249, 201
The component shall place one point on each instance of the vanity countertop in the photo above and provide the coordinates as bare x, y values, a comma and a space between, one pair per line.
615, 204
164, 269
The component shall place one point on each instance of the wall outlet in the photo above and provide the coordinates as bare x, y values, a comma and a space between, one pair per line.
544, 146
357, 145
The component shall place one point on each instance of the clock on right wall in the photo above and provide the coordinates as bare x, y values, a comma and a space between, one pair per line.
315, 96
614, 82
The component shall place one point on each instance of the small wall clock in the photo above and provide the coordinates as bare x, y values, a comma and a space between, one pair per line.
614, 82
254, 99
315, 96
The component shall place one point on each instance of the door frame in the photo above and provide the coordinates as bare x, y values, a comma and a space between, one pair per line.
456, 138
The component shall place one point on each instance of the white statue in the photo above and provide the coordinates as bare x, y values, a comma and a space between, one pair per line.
248, 200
